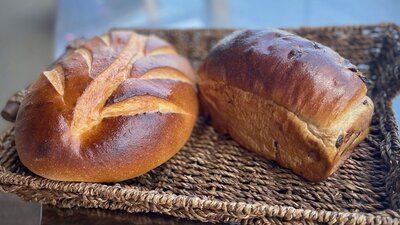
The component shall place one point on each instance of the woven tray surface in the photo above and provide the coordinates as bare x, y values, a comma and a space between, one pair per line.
214, 179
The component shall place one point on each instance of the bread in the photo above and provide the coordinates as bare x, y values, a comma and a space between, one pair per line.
109, 110
286, 98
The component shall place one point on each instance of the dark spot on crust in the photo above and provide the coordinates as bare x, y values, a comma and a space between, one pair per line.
348, 135
365, 102
365, 80
314, 156
316, 45
271, 48
295, 53
350, 66
276, 146
353, 69
339, 141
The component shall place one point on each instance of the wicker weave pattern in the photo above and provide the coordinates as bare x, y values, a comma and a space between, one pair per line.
213, 179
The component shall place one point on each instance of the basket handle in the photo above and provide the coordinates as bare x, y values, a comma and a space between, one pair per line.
10, 110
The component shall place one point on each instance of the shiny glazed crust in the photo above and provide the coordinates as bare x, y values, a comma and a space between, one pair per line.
111, 109
287, 98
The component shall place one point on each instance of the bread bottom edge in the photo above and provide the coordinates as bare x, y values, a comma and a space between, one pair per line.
274, 132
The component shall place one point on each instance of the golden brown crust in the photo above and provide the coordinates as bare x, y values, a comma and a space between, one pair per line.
89, 119
307, 113
292, 71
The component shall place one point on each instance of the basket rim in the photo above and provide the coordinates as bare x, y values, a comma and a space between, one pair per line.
242, 208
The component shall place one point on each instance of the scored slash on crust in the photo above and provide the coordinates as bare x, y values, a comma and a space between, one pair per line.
140, 104
166, 73
106, 39
89, 109
163, 50
87, 56
56, 78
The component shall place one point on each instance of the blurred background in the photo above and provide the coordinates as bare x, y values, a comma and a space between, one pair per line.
33, 33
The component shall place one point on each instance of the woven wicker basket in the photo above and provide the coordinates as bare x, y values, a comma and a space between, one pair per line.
213, 179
